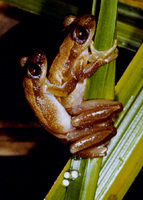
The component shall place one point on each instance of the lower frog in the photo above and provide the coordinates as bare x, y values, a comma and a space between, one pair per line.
57, 98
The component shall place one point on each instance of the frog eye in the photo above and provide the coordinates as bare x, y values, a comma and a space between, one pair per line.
33, 70
80, 34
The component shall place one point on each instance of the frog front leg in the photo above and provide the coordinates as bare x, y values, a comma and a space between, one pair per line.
97, 59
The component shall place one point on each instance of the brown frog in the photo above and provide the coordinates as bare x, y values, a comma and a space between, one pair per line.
57, 99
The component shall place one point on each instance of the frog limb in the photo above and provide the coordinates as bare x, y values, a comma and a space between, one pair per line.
76, 97
97, 151
76, 134
92, 140
63, 90
94, 104
90, 117
97, 59
95, 53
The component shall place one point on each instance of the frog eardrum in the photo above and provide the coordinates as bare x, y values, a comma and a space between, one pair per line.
57, 99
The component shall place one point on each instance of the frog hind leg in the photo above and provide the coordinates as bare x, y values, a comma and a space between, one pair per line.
94, 152
93, 112
93, 122
93, 145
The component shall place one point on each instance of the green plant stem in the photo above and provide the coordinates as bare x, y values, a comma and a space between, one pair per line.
102, 83
97, 85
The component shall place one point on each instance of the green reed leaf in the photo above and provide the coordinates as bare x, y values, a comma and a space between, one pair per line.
129, 25
133, 3
54, 9
129, 37
124, 159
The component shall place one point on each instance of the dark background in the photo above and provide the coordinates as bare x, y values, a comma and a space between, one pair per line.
31, 176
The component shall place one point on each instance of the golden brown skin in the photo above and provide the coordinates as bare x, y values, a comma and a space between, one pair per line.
57, 100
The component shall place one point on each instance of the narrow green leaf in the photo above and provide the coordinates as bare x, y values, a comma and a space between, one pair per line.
130, 15
54, 9
129, 25
74, 188
133, 74
124, 159
91, 175
132, 82
129, 37
134, 3
58, 190
94, 7
122, 166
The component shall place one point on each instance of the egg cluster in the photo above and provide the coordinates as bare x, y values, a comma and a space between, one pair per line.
68, 176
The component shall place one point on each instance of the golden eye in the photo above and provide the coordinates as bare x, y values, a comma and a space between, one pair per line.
80, 34
33, 70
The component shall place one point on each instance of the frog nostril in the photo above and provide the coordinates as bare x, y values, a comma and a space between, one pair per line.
34, 70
